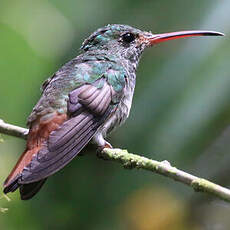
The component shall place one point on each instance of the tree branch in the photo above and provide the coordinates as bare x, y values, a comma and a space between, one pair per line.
129, 160
13, 130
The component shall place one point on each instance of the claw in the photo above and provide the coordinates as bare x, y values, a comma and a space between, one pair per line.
106, 145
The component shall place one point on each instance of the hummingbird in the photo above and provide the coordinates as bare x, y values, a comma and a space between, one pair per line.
83, 101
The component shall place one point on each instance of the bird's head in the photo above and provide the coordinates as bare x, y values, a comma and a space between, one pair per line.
128, 42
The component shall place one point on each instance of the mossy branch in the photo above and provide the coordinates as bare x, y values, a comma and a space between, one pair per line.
129, 160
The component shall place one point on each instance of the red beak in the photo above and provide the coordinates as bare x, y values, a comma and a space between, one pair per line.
157, 38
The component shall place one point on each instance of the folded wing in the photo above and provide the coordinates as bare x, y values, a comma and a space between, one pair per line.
88, 107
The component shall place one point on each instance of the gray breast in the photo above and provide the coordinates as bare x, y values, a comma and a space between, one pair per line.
124, 106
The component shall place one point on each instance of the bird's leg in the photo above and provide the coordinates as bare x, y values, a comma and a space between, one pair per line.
101, 143
105, 144
101, 147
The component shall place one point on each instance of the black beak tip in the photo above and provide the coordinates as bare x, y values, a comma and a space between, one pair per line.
214, 33
221, 34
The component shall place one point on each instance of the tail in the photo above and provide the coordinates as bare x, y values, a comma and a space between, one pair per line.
13, 180
38, 134
27, 191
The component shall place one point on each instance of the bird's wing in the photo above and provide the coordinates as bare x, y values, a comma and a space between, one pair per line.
88, 107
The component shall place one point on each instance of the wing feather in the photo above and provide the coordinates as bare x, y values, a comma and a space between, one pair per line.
44, 169
68, 130
89, 106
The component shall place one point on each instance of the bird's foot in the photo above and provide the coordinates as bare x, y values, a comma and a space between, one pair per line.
106, 145
100, 149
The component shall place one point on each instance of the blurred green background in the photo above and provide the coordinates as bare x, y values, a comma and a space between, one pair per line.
180, 113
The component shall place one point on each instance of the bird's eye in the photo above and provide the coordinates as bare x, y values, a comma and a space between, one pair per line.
128, 37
